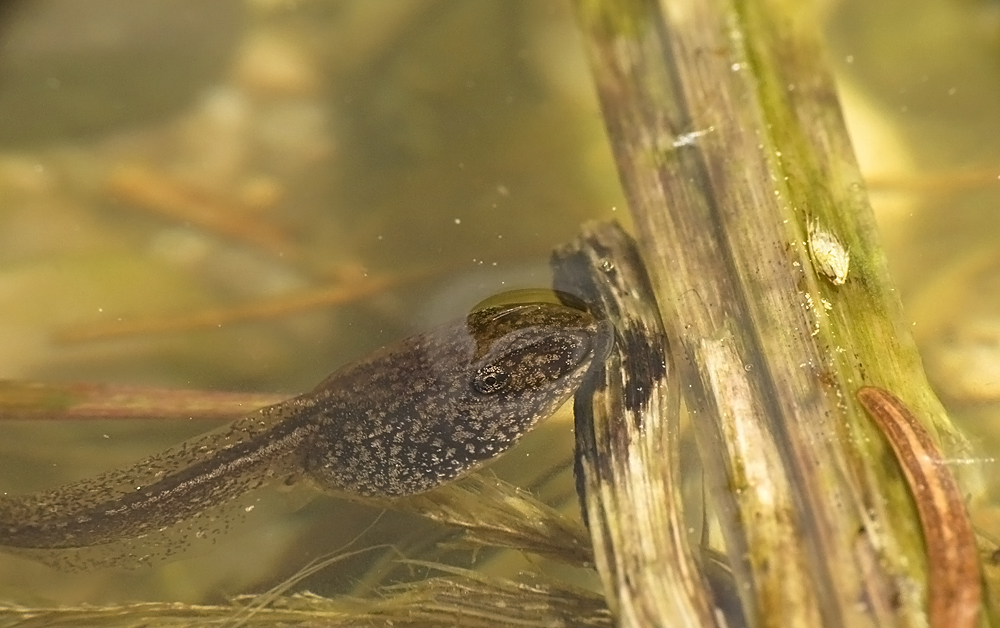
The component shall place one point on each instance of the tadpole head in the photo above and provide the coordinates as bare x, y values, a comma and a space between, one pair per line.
531, 352
527, 361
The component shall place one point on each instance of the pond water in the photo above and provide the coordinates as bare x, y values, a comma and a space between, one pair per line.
244, 195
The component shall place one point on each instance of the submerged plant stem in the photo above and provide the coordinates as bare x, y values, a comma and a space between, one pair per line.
729, 142
35, 401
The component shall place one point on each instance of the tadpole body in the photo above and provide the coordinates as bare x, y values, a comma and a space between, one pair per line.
401, 421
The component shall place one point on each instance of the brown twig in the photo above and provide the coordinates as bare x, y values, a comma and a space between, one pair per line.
264, 309
954, 588
146, 189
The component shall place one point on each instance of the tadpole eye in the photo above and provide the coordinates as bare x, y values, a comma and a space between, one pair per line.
490, 379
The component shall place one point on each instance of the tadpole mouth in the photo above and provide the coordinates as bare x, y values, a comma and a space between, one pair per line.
592, 345
603, 341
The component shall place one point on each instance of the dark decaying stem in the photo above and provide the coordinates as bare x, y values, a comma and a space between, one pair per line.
627, 435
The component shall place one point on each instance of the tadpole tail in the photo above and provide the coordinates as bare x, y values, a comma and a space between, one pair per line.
157, 492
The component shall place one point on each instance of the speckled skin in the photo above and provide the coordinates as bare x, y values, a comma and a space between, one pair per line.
402, 421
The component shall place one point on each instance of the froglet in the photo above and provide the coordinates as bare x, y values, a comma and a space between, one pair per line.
402, 421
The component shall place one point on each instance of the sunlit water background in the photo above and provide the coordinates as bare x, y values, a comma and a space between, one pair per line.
446, 145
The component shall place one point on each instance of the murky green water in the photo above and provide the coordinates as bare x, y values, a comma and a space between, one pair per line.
444, 147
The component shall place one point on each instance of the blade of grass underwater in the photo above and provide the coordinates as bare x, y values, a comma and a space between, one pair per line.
753, 221
495, 513
83, 402
461, 598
